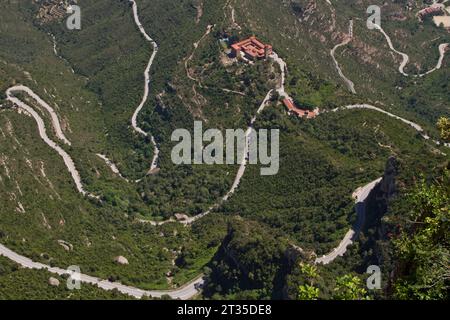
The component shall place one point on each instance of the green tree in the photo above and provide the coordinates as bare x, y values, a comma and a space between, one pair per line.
310, 271
349, 287
444, 125
423, 248
308, 291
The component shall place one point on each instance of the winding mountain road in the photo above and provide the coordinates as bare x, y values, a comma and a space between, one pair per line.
405, 58
192, 288
54, 117
43, 132
237, 179
350, 85
154, 163
186, 292
415, 126
111, 165
283, 69
361, 196
243, 165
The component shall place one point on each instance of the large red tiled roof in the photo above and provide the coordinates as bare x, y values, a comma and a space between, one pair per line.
252, 47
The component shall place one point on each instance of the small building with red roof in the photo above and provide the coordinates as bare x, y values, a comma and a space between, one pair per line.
301, 113
436, 8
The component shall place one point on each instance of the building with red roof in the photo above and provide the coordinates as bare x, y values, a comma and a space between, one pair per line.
437, 8
301, 113
252, 49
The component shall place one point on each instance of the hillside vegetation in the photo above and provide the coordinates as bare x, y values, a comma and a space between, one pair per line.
246, 246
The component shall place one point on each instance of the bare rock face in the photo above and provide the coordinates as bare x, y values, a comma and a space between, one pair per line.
387, 185
121, 260
66, 245
387, 189
154, 171
181, 217
53, 282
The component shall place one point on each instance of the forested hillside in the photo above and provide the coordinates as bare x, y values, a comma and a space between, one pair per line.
262, 241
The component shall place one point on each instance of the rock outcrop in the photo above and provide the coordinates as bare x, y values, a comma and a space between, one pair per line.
53, 282
181, 217
66, 245
387, 185
121, 260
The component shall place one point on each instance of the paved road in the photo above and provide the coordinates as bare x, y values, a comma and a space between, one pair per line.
350, 85
361, 195
243, 164
237, 179
43, 132
54, 117
405, 57
190, 289
417, 127
283, 67
111, 165
186, 292
154, 164
370, 107
282, 92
